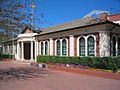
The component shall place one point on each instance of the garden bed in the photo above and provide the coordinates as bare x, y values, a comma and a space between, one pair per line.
106, 67
107, 63
6, 57
86, 71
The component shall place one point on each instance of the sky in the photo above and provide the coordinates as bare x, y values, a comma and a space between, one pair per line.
61, 11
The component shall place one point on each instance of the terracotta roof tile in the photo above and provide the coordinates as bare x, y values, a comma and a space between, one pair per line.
115, 17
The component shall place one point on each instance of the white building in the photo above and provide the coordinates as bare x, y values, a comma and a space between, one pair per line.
84, 37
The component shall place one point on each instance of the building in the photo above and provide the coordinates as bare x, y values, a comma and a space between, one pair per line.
88, 36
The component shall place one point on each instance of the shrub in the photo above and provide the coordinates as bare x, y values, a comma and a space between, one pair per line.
108, 63
6, 56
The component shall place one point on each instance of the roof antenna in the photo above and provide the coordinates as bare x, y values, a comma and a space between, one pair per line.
96, 12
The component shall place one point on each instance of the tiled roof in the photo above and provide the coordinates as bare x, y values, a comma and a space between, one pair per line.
114, 17
69, 25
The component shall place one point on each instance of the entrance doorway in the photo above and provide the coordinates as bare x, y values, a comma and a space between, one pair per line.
27, 50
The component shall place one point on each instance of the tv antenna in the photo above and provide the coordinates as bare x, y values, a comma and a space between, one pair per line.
96, 12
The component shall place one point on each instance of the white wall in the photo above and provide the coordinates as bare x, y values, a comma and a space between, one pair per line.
104, 44
117, 22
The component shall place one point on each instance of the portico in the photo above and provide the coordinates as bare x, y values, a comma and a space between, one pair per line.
26, 46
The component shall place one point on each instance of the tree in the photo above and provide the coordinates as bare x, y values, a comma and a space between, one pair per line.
14, 16
11, 17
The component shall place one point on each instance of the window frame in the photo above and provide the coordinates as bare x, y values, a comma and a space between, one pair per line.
56, 48
118, 46
64, 47
91, 46
46, 49
42, 48
82, 46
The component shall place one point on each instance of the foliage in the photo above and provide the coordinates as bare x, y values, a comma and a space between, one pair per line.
11, 17
108, 63
6, 56
15, 15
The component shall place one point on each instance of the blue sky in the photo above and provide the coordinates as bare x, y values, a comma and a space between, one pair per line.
60, 11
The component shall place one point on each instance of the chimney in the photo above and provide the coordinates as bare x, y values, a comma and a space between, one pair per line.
103, 16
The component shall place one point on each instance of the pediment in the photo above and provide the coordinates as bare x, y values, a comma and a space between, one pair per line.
26, 30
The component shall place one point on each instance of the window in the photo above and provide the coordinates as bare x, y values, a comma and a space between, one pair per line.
64, 47
114, 46
41, 48
82, 46
119, 46
58, 47
46, 48
91, 44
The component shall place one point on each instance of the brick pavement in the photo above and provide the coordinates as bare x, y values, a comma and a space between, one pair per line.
58, 80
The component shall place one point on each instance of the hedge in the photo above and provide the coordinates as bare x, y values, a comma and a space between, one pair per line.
108, 63
6, 56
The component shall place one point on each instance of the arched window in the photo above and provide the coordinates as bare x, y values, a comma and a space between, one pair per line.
46, 48
64, 47
114, 46
82, 46
58, 47
41, 48
118, 46
91, 46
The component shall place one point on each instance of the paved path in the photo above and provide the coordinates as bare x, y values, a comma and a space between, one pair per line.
59, 80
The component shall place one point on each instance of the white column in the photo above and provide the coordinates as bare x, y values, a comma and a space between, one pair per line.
3, 49
8, 49
36, 50
86, 48
61, 47
39, 48
31, 51
71, 45
13, 51
104, 44
51, 46
43, 47
22, 49
116, 46
18, 51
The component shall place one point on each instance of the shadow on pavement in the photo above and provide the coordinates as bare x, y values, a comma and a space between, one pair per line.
21, 73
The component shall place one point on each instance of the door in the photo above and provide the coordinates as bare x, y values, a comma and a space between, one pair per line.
27, 50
